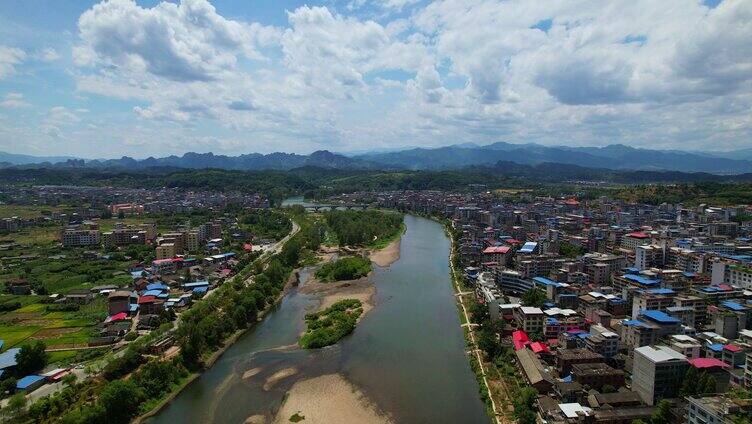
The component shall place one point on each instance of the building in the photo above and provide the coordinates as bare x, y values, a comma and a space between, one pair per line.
565, 358
657, 373
733, 273
603, 342
74, 237
713, 410
123, 236
498, 254
166, 251
529, 319
533, 369
510, 281
649, 256
597, 375
120, 301
29, 383
632, 240
686, 345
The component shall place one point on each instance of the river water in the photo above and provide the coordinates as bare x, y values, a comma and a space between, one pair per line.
406, 355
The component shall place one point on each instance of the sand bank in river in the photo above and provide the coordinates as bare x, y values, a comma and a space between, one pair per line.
329, 399
388, 255
277, 376
330, 293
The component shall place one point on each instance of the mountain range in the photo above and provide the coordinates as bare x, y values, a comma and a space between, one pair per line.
614, 157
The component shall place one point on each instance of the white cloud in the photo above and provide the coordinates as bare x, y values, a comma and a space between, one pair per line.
14, 101
182, 42
49, 55
665, 74
10, 57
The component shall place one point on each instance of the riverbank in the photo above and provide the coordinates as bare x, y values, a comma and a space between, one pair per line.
474, 355
329, 399
388, 255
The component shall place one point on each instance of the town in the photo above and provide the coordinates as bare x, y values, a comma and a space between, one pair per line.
613, 312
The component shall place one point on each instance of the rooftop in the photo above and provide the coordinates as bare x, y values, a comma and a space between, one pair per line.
660, 354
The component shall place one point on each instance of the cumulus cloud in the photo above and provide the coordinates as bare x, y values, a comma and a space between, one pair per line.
14, 101
182, 42
10, 57
640, 72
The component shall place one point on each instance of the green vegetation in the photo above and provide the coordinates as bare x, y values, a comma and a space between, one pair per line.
715, 193
297, 417
31, 358
347, 268
266, 223
570, 250
330, 325
534, 297
697, 383
364, 228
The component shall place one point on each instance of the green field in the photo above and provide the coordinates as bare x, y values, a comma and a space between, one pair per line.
57, 329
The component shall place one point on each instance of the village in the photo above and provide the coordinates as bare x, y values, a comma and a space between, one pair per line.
81, 283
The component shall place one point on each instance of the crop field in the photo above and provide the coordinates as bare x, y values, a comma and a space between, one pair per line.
58, 329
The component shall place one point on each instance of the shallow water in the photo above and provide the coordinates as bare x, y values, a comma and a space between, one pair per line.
406, 355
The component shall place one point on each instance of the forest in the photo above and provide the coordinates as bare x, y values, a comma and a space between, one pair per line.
347, 268
355, 228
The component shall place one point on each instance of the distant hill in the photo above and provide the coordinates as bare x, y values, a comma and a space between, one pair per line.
613, 157
16, 159
247, 162
617, 156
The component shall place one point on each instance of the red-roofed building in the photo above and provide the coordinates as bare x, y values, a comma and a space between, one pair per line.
520, 339
716, 369
733, 355
498, 254
149, 305
539, 348
706, 363
632, 240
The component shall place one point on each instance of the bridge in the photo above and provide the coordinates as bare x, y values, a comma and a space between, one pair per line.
341, 206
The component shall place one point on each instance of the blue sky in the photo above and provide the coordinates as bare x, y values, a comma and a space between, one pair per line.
149, 78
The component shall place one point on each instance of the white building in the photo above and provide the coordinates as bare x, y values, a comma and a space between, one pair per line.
657, 373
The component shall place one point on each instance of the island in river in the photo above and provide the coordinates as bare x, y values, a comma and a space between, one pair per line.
405, 362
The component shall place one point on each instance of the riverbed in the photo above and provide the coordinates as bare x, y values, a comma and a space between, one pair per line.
405, 362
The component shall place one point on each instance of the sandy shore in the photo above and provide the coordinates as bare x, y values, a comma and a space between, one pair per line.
329, 399
388, 255
278, 376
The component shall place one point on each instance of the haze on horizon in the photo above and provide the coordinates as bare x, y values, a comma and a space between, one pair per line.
152, 78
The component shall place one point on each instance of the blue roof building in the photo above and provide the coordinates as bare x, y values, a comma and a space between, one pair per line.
8, 358
30, 382
659, 317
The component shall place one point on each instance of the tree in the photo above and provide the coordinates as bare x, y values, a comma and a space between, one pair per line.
16, 404
70, 379
31, 358
534, 297
663, 414
120, 400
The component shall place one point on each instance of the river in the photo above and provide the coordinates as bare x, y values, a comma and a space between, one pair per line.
406, 355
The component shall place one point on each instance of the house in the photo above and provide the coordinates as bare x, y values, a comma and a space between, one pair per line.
120, 301
8, 360
30, 383
530, 319
150, 305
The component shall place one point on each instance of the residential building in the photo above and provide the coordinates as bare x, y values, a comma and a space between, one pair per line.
657, 373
